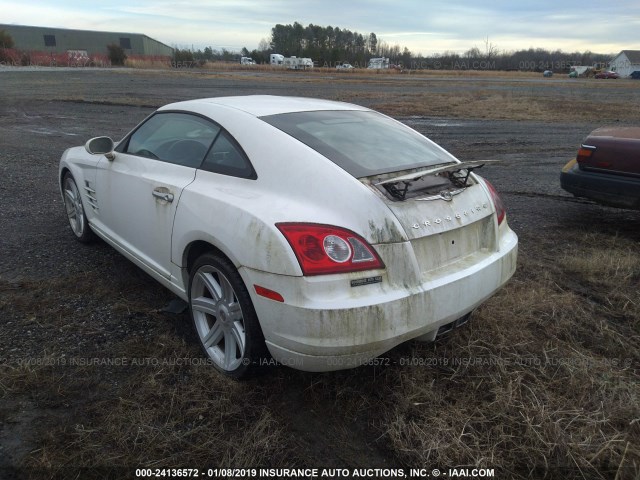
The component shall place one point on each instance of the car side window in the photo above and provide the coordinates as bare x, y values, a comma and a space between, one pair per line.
228, 158
178, 138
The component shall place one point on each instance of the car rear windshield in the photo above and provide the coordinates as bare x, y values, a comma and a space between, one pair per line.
364, 143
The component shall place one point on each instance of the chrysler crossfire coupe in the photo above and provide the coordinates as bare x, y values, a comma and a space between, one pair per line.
315, 233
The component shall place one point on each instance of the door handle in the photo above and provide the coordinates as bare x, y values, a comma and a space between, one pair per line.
167, 197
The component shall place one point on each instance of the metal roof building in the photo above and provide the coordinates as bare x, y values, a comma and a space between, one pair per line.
61, 40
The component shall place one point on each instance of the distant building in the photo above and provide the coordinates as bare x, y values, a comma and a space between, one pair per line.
626, 62
62, 40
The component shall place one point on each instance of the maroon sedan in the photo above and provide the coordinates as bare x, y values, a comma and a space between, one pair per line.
607, 74
607, 168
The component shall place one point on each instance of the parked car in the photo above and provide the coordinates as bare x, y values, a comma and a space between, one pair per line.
606, 168
635, 75
344, 66
319, 232
547, 73
607, 74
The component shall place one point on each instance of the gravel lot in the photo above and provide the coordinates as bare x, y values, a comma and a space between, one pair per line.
45, 111
65, 300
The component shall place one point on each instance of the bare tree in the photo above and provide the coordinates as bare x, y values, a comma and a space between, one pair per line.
473, 53
263, 46
490, 49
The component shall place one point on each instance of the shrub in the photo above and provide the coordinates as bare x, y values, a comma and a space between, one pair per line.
7, 53
5, 40
116, 54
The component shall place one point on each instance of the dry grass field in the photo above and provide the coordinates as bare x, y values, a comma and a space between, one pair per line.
96, 380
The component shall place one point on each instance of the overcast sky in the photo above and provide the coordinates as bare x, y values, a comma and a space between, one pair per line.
424, 26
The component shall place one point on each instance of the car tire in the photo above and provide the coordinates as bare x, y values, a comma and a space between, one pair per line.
224, 318
75, 210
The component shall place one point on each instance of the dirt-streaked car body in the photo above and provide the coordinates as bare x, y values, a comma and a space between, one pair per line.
606, 168
326, 232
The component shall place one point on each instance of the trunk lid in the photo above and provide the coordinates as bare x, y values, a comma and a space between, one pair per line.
613, 150
446, 222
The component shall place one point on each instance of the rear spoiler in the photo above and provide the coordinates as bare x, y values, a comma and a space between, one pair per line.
451, 167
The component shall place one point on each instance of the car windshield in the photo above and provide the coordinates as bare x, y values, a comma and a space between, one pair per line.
363, 143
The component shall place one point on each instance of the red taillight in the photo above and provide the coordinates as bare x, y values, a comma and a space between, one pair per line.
584, 154
497, 202
325, 249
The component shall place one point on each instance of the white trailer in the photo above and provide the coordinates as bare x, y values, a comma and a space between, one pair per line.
378, 63
295, 63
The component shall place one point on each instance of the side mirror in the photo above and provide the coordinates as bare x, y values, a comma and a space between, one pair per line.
100, 146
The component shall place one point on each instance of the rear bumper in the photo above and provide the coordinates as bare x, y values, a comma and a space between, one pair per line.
337, 332
612, 190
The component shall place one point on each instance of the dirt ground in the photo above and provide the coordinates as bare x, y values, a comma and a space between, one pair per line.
63, 305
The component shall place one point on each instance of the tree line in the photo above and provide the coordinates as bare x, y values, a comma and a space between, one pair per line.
327, 46
531, 59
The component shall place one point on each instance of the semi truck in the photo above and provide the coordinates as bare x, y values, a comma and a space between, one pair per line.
276, 59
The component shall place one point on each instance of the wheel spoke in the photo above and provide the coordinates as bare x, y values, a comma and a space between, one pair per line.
79, 217
234, 345
214, 336
229, 350
70, 203
228, 295
71, 213
204, 305
211, 285
237, 333
70, 195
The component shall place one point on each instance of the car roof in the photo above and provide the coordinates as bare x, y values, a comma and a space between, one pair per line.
262, 105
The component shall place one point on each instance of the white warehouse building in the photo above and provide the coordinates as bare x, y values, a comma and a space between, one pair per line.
626, 62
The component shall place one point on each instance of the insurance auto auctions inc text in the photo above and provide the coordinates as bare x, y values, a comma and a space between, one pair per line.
368, 473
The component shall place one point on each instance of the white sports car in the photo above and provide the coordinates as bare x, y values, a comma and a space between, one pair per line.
320, 233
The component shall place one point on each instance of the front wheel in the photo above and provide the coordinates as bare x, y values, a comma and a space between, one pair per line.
75, 210
224, 317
